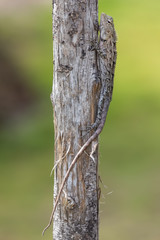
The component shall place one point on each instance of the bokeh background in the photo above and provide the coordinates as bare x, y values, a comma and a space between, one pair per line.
129, 144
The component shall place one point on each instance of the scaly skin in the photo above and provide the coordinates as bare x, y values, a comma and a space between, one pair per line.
106, 64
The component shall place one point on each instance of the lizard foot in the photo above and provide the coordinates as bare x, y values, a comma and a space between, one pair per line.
88, 129
93, 46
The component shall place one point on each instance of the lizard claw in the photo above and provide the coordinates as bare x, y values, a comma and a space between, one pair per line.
93, 46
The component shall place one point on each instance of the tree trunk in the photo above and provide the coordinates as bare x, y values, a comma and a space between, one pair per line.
75, 95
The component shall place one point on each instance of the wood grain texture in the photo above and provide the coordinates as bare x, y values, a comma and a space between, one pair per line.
74, 84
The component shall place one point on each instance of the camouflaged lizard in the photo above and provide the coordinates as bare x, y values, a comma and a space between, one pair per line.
106, 49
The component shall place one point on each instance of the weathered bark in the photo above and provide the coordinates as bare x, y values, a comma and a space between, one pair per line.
75, 93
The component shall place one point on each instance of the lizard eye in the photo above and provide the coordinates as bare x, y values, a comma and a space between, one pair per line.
109, 21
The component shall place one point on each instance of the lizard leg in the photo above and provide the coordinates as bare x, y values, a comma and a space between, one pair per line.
95, 46
103, 96
100, 109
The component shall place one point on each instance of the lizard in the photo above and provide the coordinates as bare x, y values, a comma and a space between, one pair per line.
106, 63
106, 50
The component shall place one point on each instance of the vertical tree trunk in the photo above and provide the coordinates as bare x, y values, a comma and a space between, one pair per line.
75, 93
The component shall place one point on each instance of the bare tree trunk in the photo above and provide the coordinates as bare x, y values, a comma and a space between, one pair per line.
75, 94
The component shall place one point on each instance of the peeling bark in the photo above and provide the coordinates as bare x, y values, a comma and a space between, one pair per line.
74, 97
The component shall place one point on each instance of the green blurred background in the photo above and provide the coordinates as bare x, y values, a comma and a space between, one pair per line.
129, 144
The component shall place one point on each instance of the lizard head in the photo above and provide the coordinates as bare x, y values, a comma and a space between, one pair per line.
107, 27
